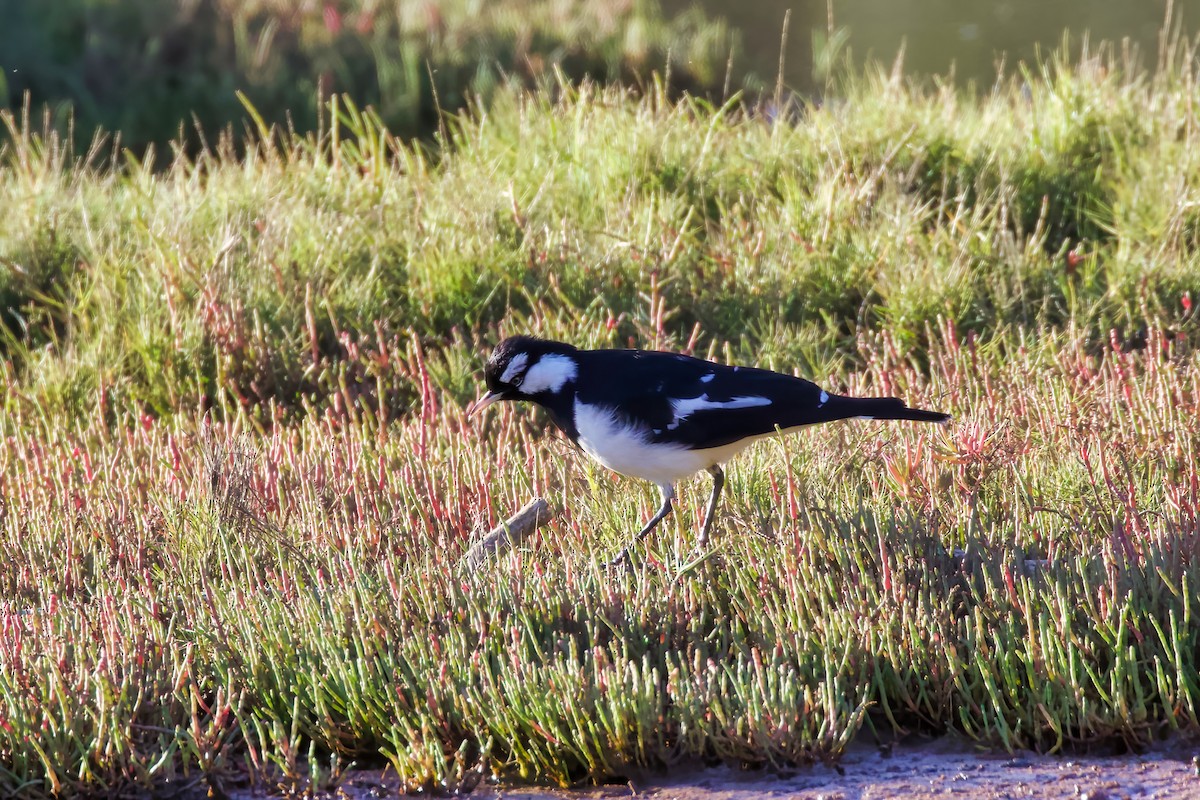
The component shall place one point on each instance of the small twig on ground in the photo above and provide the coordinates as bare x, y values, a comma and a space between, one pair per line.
534, 515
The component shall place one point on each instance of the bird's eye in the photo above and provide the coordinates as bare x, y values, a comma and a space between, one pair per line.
516, 382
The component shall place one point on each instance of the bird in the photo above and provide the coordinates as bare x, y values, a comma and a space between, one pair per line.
662, 416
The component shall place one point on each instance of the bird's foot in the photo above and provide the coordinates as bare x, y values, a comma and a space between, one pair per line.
620, 563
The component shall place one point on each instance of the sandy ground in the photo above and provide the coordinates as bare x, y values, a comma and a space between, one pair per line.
918, 769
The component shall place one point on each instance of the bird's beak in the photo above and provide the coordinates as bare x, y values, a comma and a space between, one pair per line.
482, 403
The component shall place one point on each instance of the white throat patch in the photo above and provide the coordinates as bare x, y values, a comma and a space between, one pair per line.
549, 373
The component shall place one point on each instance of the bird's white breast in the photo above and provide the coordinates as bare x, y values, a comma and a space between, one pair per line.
623, 448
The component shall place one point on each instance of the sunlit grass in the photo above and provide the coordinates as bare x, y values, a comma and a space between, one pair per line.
282, 279
184, 599
236, 481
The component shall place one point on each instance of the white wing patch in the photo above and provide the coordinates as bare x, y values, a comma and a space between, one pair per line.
515, 367
549, 373
691, 405
708, 377
824, 398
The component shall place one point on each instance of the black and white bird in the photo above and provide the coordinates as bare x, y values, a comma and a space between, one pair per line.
663, 416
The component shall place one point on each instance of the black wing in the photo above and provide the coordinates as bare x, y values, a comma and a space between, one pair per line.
698, 403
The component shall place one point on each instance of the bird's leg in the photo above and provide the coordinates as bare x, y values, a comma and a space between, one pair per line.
668, 494
718, 475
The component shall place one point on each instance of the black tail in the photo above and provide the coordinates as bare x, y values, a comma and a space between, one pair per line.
883, 408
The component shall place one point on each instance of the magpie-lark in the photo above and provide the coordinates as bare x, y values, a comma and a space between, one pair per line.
662, 416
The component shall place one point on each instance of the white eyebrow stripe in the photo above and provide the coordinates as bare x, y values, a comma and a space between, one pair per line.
683, 408
515, 367
551, 373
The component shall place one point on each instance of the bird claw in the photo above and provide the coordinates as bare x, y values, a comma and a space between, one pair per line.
620, 563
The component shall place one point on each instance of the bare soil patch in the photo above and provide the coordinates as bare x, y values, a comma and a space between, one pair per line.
920, 769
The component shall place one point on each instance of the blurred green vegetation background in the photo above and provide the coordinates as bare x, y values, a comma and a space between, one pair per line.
161, 71
157, 71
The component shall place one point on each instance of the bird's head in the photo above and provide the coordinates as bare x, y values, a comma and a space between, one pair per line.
525, 368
